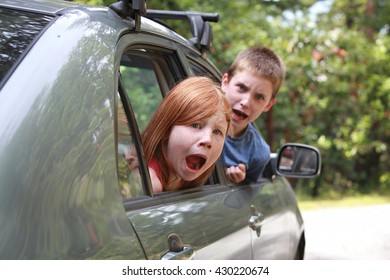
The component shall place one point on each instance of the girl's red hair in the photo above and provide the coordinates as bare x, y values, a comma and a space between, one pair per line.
190, 101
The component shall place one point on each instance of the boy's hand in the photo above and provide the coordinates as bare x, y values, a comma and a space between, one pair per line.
236, 174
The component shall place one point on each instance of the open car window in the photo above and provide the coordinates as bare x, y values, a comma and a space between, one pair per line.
147, 75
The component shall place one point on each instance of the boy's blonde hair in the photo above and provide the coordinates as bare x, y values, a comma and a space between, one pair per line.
260, 61
190, 101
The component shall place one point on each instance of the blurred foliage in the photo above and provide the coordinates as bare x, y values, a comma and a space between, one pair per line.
337, 89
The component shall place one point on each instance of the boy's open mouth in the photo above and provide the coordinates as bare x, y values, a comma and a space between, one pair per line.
195, 162
240, 115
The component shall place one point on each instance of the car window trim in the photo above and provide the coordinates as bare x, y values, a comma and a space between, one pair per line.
182, 70
148, 41
127, 44
171, 197
175, 68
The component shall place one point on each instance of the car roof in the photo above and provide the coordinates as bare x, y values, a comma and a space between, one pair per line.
48, 7
61, 7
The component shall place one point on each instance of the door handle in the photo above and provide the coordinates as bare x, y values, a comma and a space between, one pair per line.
176, 249
256, 220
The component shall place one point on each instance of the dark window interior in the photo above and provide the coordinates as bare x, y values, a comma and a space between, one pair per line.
18, 30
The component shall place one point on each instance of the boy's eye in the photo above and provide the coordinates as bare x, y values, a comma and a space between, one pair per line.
241, 87
259, 97
217, 132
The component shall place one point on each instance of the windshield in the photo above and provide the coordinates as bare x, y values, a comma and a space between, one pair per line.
18, 29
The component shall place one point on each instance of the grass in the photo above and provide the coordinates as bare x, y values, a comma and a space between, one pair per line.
306, 204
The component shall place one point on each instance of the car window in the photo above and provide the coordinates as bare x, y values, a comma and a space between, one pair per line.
202, 68
18, 29
148, 75
201, 71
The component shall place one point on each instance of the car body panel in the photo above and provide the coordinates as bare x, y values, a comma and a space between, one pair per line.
268, 241
198, 221
216, 226
274, 243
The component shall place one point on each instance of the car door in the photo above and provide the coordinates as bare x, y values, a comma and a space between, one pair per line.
215, 221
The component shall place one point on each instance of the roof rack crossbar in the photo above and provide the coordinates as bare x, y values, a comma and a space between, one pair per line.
199, 24
161, 14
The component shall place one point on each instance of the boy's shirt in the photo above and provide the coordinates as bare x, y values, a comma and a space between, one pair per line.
249, 149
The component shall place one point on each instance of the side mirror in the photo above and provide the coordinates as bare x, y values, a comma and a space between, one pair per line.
298, 160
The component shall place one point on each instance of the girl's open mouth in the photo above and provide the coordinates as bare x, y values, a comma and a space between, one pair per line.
195, 162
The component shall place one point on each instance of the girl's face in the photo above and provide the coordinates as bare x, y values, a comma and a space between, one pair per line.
249, 95
193, 148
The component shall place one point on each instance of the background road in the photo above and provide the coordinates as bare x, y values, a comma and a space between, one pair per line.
354, 233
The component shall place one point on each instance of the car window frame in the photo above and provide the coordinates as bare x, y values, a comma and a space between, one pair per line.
127, 43
162, 75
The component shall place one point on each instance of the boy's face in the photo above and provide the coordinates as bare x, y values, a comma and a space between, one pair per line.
249, 95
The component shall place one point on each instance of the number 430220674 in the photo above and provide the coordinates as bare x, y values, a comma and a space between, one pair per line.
242, 270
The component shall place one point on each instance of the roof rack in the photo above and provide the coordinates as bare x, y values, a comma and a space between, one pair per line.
199, 22
130, 8
199, 25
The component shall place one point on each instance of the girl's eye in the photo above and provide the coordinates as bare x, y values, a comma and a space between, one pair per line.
195, 125
218, 132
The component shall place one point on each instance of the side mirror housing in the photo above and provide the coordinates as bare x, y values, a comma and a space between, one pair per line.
298, 161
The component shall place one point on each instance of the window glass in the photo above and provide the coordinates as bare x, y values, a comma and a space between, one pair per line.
198, 70
148, 74
130, 183
17, 31
142, 87
201, 71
